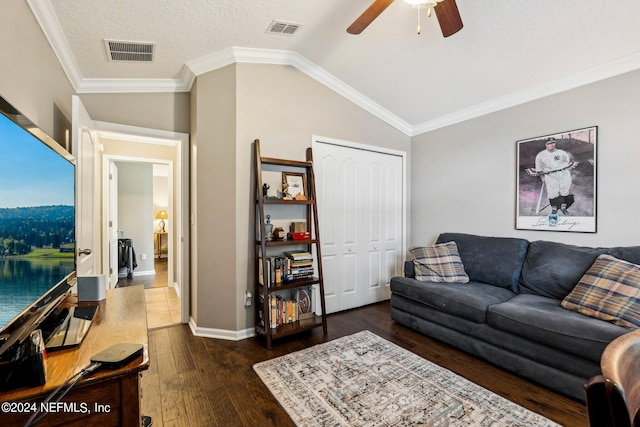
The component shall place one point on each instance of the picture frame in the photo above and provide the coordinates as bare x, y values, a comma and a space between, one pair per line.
293, 185
304, 298
557, 181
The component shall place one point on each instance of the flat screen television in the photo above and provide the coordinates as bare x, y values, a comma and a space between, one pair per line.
37, 227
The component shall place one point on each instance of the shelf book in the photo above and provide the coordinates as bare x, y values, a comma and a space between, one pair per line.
289, 279
288, 308
282, 269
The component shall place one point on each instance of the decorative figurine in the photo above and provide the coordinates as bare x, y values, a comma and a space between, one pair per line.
265, 189
268, 229
285, 192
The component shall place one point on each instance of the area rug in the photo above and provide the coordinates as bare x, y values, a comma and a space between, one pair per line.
365, 380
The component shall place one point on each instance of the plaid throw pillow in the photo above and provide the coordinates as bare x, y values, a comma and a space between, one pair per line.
609, 290
439, 263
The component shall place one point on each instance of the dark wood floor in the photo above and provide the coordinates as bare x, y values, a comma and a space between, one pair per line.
197, 381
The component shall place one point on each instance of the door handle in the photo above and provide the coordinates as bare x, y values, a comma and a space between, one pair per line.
84, 252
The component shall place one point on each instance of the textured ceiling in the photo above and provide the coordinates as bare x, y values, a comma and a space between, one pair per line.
509, 51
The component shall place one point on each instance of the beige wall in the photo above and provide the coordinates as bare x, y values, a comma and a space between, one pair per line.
31, 78
213, 200
164, 111
283, 108
464, 176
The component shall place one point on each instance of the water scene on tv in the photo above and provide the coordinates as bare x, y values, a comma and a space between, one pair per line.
37, 219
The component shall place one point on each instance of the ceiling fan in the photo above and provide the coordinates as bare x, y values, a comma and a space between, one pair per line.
446, 12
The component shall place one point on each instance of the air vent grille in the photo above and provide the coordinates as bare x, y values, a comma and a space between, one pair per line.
283, 28
119, 51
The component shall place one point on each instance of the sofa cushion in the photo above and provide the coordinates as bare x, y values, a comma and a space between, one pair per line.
553, 269
626, 253
409, 270
468, 301
543, 320
439, 263
493, 260
609, 290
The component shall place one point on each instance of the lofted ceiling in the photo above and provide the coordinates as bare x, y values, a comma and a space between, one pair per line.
509, 51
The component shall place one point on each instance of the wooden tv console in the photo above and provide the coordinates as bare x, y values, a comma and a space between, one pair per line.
106, 397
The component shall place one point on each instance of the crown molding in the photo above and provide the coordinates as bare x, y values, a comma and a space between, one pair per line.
46, 18
133, 85
294, 59
592, 75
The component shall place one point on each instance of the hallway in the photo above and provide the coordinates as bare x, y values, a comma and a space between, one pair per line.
163, 304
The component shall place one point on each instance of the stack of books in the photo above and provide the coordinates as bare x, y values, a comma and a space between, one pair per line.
299, 265
283, 311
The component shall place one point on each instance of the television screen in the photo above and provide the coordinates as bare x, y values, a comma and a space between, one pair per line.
37, 220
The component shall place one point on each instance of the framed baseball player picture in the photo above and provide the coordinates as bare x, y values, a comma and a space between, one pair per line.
556, 188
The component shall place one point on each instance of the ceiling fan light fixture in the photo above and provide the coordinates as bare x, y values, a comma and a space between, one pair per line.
422, 4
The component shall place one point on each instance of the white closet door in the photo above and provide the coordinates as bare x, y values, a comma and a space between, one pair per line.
360, 196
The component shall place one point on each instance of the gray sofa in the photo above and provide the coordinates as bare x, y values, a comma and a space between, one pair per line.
509, 314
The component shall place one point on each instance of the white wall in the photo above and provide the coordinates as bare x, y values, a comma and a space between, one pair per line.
135, 210
463, 176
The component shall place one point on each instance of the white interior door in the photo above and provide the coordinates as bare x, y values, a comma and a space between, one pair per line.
112, 213
360, 208
85, 150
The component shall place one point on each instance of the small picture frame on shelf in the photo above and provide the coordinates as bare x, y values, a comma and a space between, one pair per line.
305, 303
294, 185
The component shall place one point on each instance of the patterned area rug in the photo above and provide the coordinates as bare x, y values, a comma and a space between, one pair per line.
365, 380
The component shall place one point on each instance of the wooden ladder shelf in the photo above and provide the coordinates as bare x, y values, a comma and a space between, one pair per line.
275, 290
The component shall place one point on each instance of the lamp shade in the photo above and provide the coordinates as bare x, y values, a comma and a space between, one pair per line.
162, 215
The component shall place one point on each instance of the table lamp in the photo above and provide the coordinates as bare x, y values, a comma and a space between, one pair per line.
162, 215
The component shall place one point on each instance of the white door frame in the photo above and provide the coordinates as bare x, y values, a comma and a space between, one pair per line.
88, 253
315, 140
111, 209
180, 223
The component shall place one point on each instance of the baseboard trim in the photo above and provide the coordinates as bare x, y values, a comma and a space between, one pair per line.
137, 273
222, 334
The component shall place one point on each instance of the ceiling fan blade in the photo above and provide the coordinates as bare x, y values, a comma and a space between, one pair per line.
448, 17
363, 21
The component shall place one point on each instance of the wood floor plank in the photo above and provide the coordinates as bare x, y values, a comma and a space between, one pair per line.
171, 386
270, 409
199, 410
247, 408
180, 349
150, 403
222, 407
196, 373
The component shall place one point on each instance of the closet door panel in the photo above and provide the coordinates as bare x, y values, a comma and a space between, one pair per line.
360, 204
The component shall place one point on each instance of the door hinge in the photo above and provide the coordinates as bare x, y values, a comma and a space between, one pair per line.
110, 223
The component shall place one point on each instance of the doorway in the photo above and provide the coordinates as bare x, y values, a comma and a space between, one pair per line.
148, 167
127, 142
141, 194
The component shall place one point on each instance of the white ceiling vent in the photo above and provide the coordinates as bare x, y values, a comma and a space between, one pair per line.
283, 28
127, 51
